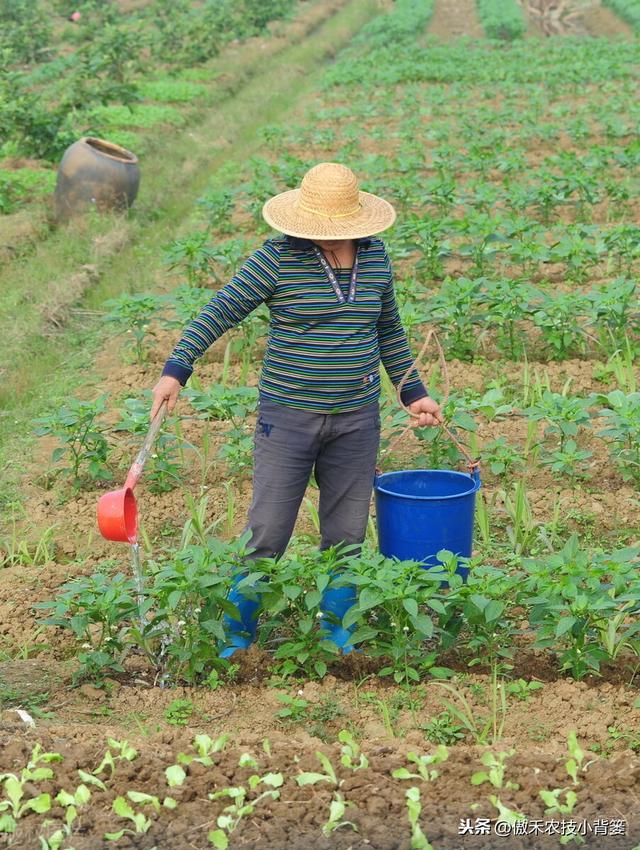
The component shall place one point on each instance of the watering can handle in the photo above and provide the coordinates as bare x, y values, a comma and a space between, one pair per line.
135, 471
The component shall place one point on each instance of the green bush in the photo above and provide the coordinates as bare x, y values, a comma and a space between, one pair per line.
502, 19
24, 30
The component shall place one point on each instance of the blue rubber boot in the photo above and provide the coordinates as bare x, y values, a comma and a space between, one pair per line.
240, 633
337, 601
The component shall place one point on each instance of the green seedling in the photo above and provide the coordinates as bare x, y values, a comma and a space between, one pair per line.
580, 604
17, 551
175, 775
564, 414
123, 752
205, 748
495, 762
522, 690
71, 802
324, 712
329, 775
337, 810
95, 609
186, 302
554, 804
621, 413
502, 458
240, 806
124, 809
351, 755
630, 737
575, 762
419, 840
621, 366
196, 529
55, 840
218, 206
569, 461
423, 764
194, 255
13, 806
522, 528
505, 814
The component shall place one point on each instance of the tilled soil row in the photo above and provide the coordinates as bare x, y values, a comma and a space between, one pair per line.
607, 790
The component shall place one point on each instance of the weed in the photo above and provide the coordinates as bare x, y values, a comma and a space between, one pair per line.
295, 709
442, 729
522, 690
179, 712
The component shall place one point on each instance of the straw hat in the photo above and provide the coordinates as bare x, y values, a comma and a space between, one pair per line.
328, 205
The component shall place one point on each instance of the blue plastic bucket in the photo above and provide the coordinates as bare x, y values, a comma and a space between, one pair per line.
421, 511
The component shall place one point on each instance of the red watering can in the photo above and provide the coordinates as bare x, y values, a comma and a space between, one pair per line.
117, 509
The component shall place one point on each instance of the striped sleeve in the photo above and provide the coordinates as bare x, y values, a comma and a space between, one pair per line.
253, 284
394, 348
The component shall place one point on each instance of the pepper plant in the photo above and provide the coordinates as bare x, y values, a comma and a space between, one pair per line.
576, 594
399, 604
622, 417
133, 313
83, 439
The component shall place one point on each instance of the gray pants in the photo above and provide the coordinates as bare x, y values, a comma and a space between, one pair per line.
340, 448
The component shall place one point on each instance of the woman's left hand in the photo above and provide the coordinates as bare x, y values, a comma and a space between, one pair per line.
428, 410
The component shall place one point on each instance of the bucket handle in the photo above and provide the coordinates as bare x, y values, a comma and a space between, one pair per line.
473, 464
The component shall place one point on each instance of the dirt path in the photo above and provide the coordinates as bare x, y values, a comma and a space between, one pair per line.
596, 20
455, 19
601, 21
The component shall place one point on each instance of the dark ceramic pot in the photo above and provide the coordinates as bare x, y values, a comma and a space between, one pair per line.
95, 173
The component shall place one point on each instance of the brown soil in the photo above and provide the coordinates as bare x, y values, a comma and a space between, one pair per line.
602, 21
455, 19
608, 788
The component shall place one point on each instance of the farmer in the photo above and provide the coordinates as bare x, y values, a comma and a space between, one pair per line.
328, 284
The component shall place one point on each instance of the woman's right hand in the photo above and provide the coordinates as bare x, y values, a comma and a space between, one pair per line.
167, 388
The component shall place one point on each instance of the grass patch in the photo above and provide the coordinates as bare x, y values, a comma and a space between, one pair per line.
170, 90
23, 184
143, 115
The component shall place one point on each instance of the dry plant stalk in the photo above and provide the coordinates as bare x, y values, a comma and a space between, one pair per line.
556, 17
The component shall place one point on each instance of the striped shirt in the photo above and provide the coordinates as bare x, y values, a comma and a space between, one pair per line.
322, 354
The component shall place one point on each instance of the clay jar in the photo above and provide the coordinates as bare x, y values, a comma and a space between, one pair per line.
94, 172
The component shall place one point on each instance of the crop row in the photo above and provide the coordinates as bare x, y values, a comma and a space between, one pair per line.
581, 606
502, 19
613, 416
583, 61
38, 789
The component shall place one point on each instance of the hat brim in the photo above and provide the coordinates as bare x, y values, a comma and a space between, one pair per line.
374, 216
